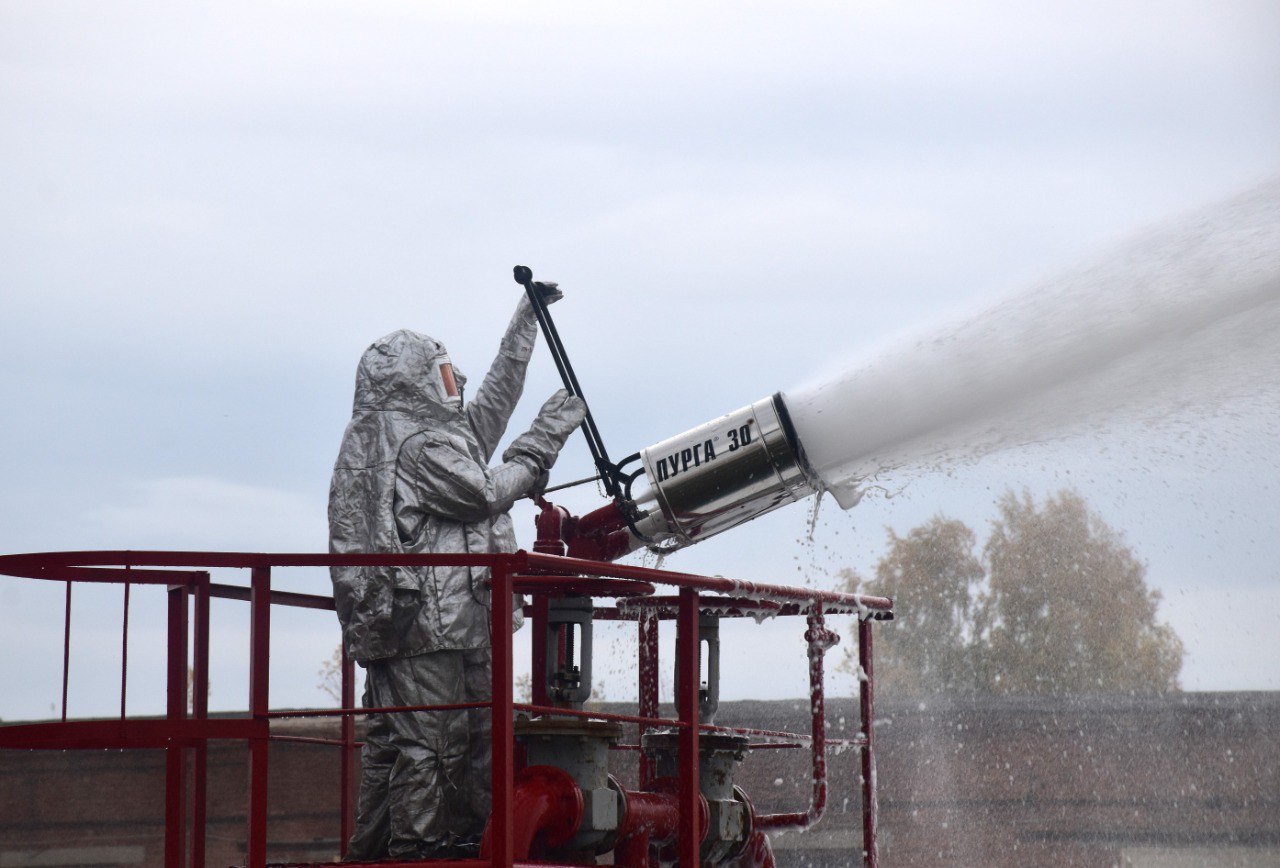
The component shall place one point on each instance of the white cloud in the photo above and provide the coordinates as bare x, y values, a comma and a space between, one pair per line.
200, 513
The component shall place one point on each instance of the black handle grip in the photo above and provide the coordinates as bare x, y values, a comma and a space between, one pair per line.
609, 473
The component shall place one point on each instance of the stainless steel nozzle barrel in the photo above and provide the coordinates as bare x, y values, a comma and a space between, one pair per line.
725, 472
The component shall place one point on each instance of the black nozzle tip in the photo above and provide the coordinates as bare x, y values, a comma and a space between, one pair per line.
523, 274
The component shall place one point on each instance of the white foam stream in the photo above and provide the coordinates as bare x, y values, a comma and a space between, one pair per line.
1186, 318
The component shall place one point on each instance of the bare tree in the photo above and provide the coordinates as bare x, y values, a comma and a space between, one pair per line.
331, 675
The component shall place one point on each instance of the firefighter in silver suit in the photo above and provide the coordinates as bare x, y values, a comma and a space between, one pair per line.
413, 475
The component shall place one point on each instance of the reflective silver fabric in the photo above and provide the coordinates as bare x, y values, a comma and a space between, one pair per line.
412, 475
425, 784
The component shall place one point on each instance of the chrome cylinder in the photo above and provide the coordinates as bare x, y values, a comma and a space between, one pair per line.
724, 473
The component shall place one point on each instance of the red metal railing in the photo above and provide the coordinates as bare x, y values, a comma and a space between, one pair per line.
189, 589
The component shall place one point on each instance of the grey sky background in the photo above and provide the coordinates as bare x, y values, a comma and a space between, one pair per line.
206, 213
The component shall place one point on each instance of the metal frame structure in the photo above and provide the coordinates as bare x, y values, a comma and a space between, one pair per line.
186, 578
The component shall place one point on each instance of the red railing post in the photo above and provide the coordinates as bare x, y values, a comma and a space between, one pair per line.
538, 694
66, 652
124, 651
348, 700
819, 640
866, 711
688, 665
175, 790
648, 675
200, 711
502, 821
259, 703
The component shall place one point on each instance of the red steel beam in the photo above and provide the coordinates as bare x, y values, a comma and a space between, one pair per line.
648, 677
259, 702
688, 663
116, 734
349, 756
382, 709
49, 562
502, 842
200, 711
734, 587
866, 713
175, 789
66, 653
278, 598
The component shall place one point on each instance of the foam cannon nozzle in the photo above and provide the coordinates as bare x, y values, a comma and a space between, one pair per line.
723, 473
692, 486
695, 485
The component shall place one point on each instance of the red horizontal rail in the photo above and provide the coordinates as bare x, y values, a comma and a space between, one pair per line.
278, 598
48, 565
737, 598
735, 587
249, 560
600, 715
116, 734
63, 573
390, 709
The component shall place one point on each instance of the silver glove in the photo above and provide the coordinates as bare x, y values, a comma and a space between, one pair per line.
539, 446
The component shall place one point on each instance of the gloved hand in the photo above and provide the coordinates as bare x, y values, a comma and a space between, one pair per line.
539, 446
549, 292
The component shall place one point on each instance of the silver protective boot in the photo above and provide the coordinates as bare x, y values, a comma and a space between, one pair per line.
425, 779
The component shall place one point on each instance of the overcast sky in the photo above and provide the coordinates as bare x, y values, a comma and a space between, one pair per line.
207, 212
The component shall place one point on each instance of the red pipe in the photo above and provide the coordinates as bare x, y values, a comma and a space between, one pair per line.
547, 810
758, 853
819, 639
654, 814
551, 529
633, 852
600, 535
649, 818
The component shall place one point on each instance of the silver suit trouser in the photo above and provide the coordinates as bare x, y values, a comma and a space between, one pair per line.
425, 776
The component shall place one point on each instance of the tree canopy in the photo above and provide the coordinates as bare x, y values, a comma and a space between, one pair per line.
1057, 603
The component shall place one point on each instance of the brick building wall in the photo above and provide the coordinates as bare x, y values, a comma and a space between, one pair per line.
1190, 779
1090, 780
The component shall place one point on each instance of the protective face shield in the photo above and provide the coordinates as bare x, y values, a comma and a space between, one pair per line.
452, 382
447, 381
